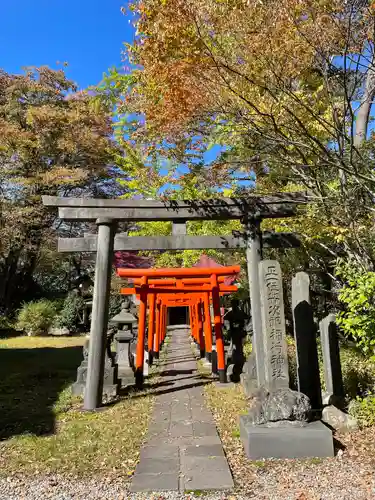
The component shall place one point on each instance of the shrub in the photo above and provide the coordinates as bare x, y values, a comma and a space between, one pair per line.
35, 318
292, 363
357, 371
247, 348
363, 409
115, 301
69, 316
5, 323
357, 295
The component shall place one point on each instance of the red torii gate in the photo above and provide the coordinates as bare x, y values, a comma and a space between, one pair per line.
197, 284
174, 301
192, 298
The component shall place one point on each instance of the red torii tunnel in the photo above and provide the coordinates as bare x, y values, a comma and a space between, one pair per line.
195, 288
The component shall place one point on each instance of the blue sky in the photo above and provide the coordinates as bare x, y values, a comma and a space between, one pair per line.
87, 34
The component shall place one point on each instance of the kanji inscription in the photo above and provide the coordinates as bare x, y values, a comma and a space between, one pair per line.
273, 319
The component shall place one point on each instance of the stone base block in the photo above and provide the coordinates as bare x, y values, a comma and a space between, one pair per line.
214, 362
250, 384
127, 382
146, 369
125, 371
109, 391
206, 363
286, 440
145, 362
126, 376
78, 389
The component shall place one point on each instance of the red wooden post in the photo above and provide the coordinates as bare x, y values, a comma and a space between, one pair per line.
195, 319
197, 322
218, 330
161, 324
200, 329
191, 319
157, 330
207, 326
165, 320
164, 323
151, 327
140, 353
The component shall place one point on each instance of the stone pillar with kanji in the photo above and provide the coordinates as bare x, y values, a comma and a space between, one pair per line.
273, 325
280, 423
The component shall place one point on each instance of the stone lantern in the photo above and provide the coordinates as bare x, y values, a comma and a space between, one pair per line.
125, 322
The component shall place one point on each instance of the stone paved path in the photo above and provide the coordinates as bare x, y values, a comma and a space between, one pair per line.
183, 450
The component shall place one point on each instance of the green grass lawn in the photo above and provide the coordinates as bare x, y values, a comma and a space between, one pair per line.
42, 429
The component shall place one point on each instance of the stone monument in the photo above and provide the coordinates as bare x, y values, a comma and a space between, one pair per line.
274, 362
278, 423
331, 360
305, 337
273, 325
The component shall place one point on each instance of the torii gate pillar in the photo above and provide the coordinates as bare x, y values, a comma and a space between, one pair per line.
253, 257
99, 319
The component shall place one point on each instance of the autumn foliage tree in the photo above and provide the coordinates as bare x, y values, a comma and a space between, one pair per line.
286, 87
260, 67
52, 141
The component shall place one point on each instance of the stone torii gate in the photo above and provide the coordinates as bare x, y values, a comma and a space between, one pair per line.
107, 213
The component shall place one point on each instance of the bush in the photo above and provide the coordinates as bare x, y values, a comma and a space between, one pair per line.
35, 318
115, 301
69, 316
247, 348
357, 295
357, 371
5, 323
363, 409
292, 363
7, 327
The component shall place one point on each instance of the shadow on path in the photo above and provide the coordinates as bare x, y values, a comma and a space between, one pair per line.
172, 373
172, 387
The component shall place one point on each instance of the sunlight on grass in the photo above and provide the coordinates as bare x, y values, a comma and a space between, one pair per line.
25, 342
41, 425
226, 406
84, 443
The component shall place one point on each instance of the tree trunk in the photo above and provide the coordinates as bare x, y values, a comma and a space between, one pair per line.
365, 106
8, 272
16, 278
